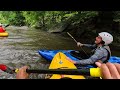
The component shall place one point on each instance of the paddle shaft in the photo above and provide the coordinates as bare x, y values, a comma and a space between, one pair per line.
76, 41
60, 71
95, 72
71, 36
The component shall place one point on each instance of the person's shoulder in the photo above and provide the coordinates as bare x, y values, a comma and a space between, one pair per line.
100, 50
103, 50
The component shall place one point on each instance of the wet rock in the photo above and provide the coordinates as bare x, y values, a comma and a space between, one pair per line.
17, 27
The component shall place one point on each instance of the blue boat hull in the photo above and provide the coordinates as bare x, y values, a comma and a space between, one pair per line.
49, 54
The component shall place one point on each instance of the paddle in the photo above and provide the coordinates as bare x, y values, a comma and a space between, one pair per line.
94, 72
71, 36
6, 26
76, 42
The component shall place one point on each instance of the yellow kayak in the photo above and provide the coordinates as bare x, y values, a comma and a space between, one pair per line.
60, 62
3, 34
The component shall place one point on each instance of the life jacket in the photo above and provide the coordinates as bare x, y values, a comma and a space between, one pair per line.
2, 29
105, 47
109, 53
108, 57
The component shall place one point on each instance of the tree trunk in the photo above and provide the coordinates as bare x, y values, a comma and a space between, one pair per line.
53, 18
43, 21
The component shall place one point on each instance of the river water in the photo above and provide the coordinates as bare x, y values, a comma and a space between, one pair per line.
21, 48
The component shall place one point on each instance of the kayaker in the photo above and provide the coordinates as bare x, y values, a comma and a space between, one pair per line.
101, 50
1, 28
108, 70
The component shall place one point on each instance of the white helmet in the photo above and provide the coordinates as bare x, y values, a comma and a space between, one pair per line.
106, 37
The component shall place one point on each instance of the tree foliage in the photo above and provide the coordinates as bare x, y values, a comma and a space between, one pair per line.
49, 19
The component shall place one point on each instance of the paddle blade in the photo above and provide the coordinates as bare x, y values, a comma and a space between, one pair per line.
3, 67
6, 69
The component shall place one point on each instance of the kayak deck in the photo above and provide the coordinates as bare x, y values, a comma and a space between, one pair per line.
60, 62
3, 34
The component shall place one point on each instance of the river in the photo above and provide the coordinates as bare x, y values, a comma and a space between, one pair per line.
21, 48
